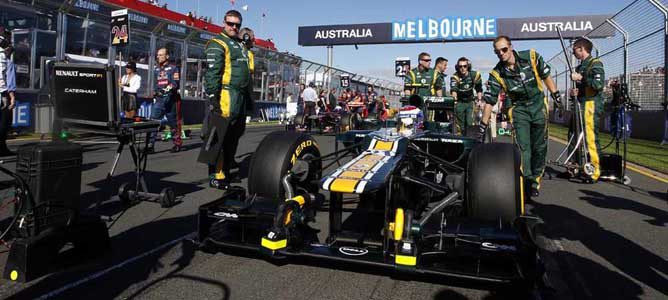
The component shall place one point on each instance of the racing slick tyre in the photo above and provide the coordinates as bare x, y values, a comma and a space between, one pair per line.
493, 182
279, 152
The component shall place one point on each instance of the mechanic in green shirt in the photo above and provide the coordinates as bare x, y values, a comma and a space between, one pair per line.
465, 87
590, 80
228, 86
522, 76
423, 80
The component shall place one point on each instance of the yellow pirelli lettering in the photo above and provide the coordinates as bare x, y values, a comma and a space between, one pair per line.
274, 245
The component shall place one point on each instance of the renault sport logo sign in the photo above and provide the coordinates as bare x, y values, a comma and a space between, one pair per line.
455, 28
449, 28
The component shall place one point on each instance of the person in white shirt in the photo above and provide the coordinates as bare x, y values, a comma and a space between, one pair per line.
131, 83
310, 97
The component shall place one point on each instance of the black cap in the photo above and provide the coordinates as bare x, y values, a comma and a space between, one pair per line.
131, 65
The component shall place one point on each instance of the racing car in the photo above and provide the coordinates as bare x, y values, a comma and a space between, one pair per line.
429, 202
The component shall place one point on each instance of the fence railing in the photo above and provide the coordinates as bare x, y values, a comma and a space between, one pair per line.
633, 52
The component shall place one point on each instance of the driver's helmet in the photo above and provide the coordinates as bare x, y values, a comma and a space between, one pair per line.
409, 120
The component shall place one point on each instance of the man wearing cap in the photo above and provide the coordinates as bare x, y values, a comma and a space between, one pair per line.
228, 86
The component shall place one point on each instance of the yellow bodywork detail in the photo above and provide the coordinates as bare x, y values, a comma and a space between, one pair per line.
299, 199
521, 195
383, 146
398, 224
405, 260
343, 185
274, 245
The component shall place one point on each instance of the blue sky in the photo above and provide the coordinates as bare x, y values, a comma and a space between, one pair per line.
284, 17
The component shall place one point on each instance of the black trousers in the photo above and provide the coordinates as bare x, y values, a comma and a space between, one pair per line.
5, 121
221, 140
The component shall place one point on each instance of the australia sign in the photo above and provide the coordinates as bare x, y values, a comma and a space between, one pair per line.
454, 28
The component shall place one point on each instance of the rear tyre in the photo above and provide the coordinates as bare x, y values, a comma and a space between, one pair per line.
277, 153
494, 183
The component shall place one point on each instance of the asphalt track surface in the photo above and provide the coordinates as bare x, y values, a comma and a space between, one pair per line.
602, 241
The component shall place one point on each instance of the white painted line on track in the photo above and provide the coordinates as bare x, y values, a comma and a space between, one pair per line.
90, 277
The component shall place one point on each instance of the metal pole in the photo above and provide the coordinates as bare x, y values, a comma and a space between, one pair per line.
626, 47
664, 10
330, 61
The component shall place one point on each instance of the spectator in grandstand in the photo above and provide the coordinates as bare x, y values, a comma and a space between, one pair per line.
521, 74
7, 89
131, 83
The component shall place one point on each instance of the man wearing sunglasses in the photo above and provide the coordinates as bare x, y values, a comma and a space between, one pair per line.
522, 75
228, 86
465, 87
423, 80
590, 80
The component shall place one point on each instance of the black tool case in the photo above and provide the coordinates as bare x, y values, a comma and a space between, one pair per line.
53, 174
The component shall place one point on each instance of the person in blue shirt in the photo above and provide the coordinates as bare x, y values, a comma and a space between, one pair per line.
166, 95
7, 89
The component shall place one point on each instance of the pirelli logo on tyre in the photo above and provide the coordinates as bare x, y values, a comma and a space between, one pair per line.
300, 149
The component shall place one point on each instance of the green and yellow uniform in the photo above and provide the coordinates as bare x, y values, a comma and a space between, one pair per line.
228, 86
590, 96
423, 83
528, 113
466, 88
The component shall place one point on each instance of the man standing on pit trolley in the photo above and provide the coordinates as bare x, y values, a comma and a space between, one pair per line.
228, 86
466, 88
166, 95
589, 77
521, 75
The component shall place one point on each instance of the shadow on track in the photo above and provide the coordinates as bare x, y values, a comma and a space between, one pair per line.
126, 274
629, 257
660, 217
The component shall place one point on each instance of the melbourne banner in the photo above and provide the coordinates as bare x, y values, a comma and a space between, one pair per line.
454, 28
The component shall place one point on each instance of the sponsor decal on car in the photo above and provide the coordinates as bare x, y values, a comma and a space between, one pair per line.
353, 251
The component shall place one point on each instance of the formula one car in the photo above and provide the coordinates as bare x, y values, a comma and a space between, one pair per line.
429, 202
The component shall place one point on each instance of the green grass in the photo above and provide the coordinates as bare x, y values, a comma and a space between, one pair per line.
646, 153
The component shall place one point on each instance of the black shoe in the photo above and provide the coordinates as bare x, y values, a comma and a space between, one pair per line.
221, 184
175, 149
150, 149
